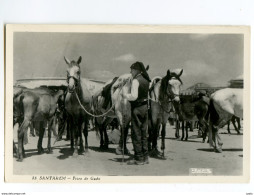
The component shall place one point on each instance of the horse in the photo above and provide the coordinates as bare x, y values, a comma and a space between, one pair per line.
162, 93
102, 104
78, 104
119, 109
223, 105
38, 104
191, 109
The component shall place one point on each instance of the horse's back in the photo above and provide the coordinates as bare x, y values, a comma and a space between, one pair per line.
229, 100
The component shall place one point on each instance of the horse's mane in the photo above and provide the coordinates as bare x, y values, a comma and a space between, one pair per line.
163, 87
122, 80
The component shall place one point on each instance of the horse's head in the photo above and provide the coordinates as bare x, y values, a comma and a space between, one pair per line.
170, 85
73, 74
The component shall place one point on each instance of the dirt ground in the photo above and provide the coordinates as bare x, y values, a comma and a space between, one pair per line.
180, 156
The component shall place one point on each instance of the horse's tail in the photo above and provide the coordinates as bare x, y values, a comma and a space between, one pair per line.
96, 128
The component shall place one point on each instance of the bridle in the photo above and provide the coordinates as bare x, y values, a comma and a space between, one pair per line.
170, 97
76, 82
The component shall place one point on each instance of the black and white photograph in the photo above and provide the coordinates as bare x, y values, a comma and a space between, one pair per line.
101, 103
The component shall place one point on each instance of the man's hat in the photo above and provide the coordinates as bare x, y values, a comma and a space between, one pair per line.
137, 66
140, 66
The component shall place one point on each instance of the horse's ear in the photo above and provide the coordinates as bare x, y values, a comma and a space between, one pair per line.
168, 73
79, 60
181, 72
147, 67
66, 60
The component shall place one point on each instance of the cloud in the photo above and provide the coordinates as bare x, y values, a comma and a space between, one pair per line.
126, 58
101, 75
200, 37
199, 72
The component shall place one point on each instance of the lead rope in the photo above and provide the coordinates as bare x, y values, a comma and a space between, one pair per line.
93, 115
89, 113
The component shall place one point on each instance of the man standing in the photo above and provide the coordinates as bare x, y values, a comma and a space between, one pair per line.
139, 113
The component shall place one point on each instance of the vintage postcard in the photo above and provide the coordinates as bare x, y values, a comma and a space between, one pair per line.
127, 103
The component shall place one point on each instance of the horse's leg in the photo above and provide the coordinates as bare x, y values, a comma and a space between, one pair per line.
177, 129
70, 128
155, 135
32, 129
234, 119
85, 132
105, 146
80, 139
76, 141
149, 140
15, 150
41, 135
23, 127
55, 124
189, 124
50, 126
191, 128
101, 136
76, 136
229, 132
163, 134
203, 126
183, 130
238, 122
105, 124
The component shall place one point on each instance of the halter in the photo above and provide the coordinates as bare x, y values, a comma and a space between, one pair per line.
76, 80
171, 97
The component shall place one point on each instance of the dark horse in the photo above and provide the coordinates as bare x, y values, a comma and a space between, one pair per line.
78, 102
192, 108
163, 92
38, 104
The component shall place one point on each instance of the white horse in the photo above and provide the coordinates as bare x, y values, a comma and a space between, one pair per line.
224, 104
164, 93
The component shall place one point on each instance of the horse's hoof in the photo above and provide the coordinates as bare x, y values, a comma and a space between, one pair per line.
19, 160
75, 155
182, 139
186, 139
163, 157
50, 151
40, 151
81, 150
218, 150
203, 141
104, 147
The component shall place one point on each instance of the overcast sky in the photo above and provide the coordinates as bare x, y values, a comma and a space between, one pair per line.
211, 59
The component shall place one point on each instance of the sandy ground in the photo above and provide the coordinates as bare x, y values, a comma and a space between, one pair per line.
180, 156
